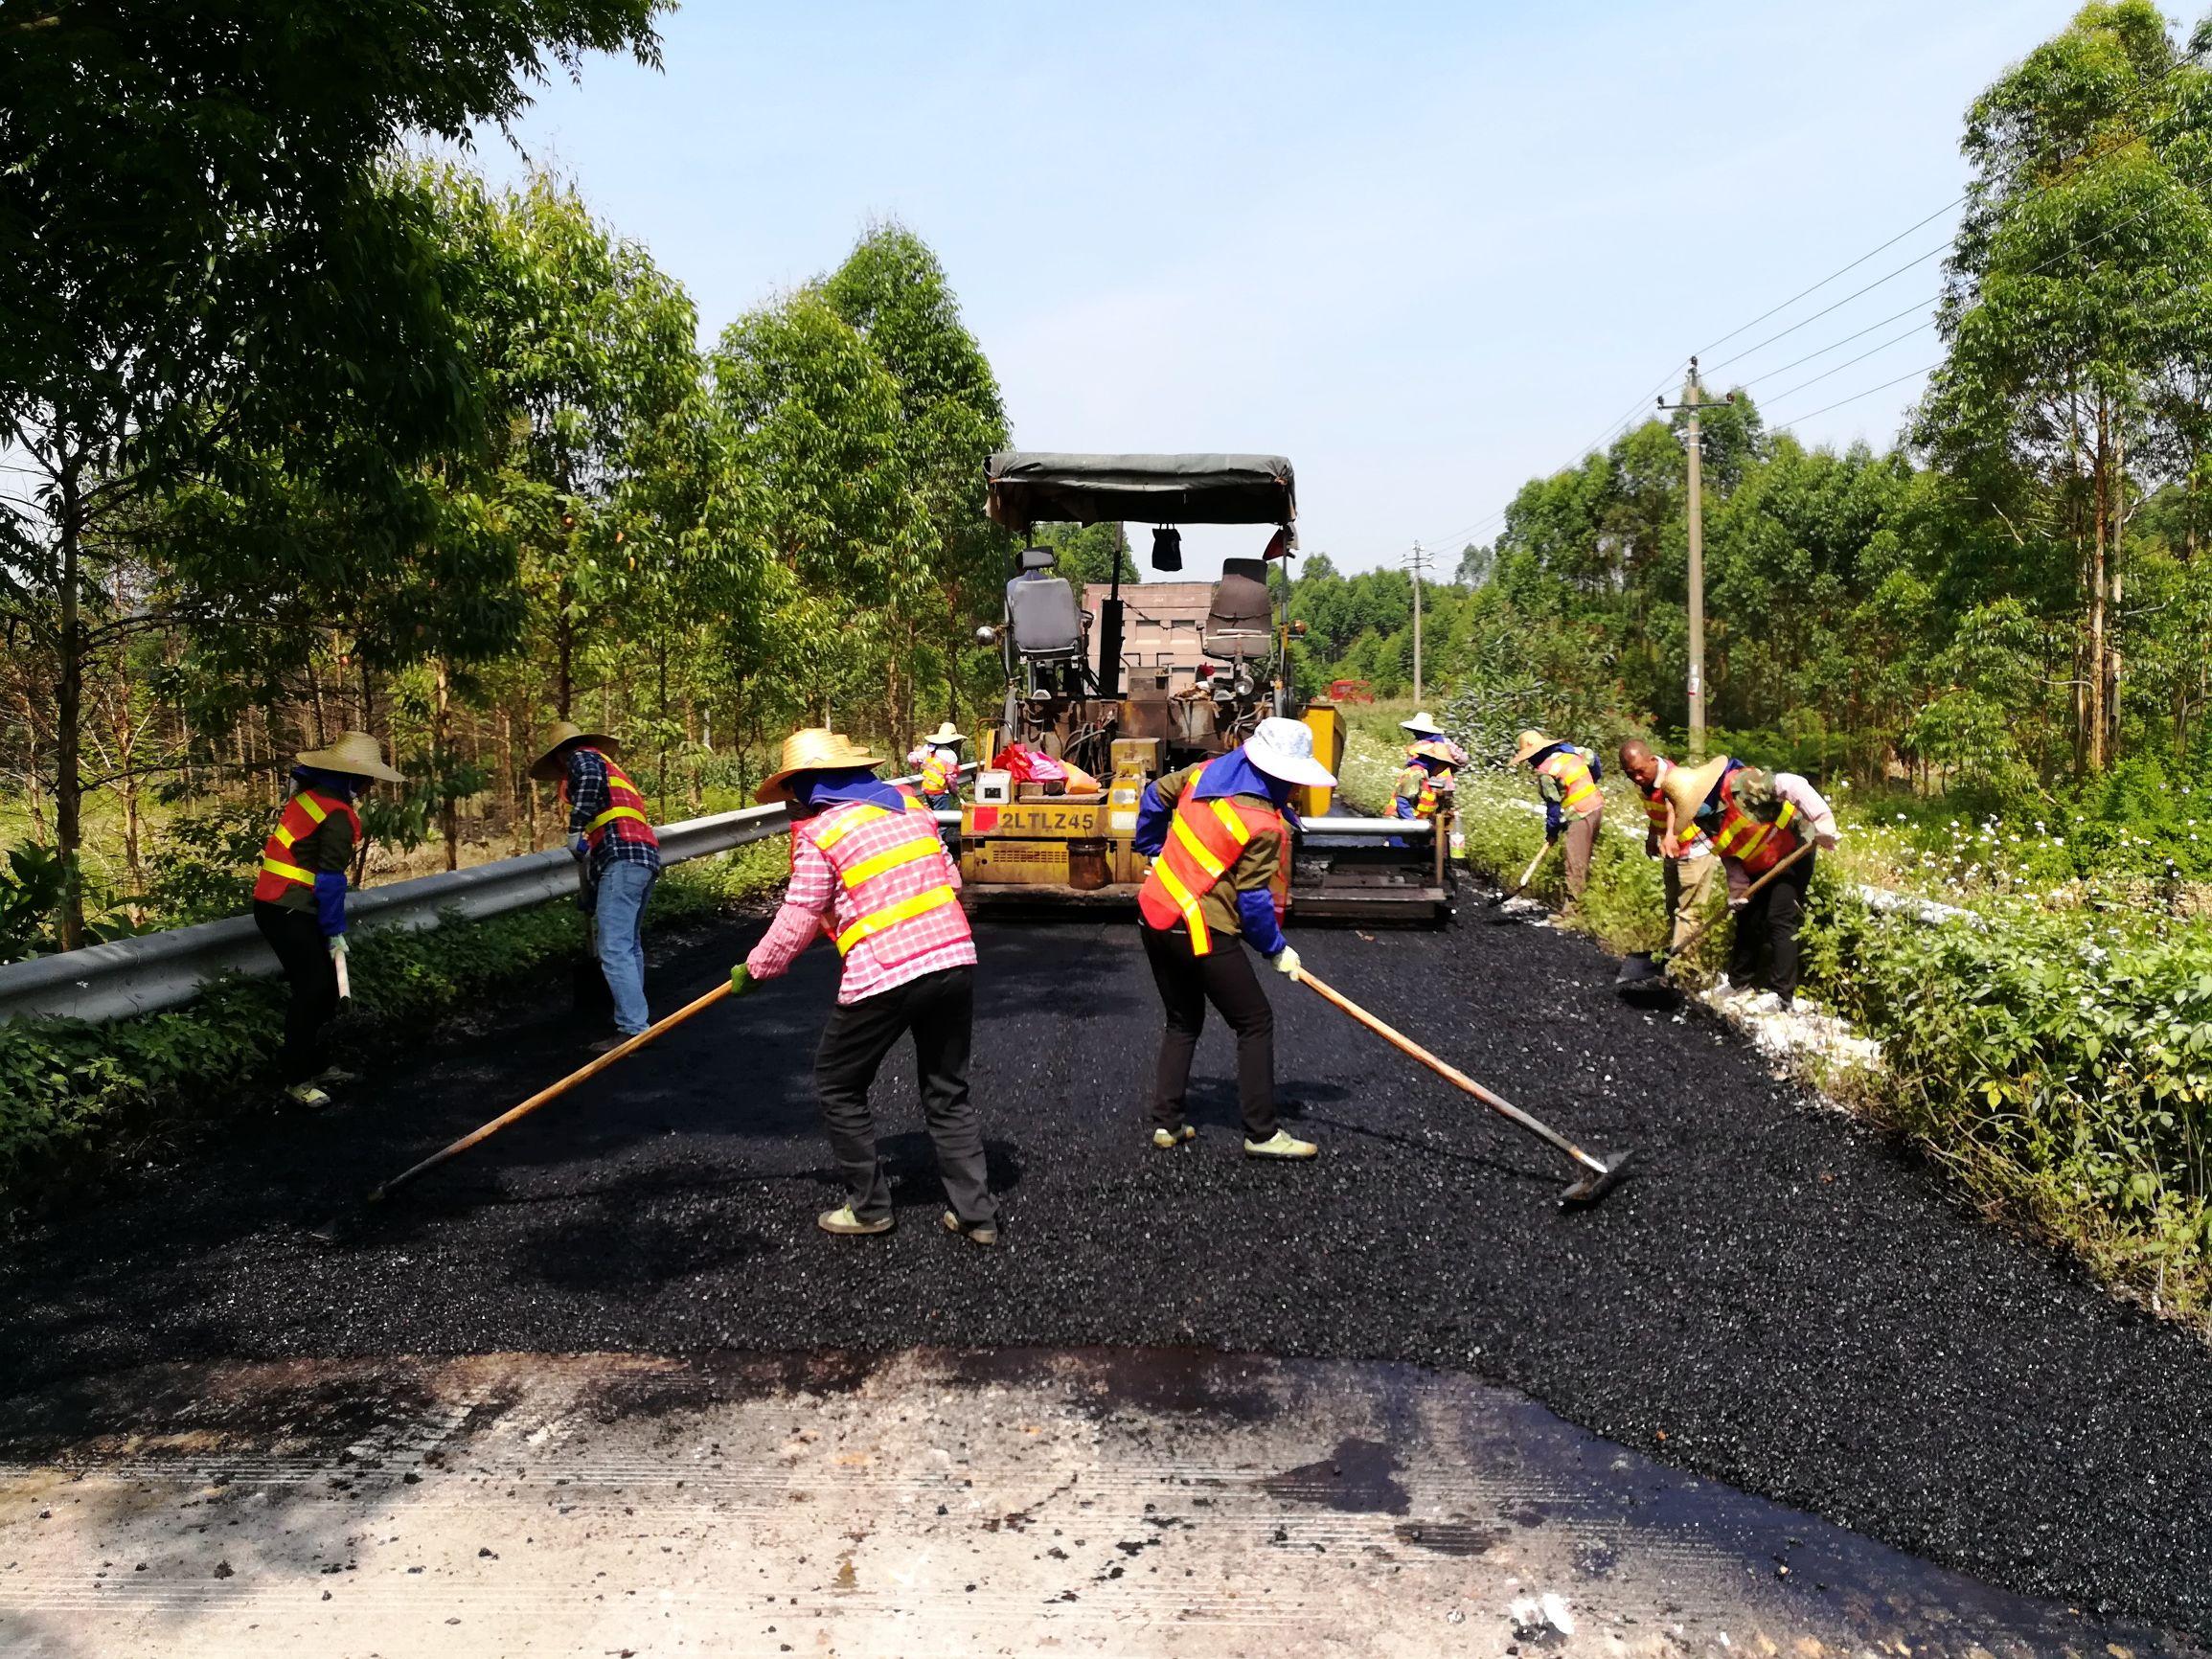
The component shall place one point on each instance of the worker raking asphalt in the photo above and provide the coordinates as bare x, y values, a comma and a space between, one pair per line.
1780, 1299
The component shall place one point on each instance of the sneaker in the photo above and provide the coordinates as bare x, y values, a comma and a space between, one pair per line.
307, 1095
1280, 1145
606, 1045
337, 1077
1760, 1002
843, 1222
1169, 1139
986, 1234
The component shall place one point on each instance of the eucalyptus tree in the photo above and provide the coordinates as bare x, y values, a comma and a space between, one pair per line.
198, 264
2075, 283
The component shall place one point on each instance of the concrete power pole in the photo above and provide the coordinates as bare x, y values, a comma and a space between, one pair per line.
1415, 562
1692, 398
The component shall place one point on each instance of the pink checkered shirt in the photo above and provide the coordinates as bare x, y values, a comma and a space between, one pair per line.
817, 901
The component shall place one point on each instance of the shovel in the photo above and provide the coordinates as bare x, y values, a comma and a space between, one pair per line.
1645, 971
1527, 875
1600, 1175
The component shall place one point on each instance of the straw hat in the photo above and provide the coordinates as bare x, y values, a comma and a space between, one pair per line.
945, 733
1284, 749
1422, 725
356, 753
812, 749
1533, 742
1686, 788
547, 767
1432, 750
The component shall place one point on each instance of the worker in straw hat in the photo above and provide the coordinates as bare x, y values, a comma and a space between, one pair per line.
936, 757
300, 898
1218, 835
1566, 778
869, 872
1686, 875
1756, 820
618, 860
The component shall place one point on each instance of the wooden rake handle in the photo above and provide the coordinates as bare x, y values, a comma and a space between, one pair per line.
1450, 1073
660, 1027
1704, 927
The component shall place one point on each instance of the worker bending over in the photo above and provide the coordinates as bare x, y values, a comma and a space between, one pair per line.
1429, 743
1687, 874
936, 757
300, 899
869, 873
1755, 820
1566, 778
618, 861
1219, 836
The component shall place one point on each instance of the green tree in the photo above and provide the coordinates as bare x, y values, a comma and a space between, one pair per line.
199, 262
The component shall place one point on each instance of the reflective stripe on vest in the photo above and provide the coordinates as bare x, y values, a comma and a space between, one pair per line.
627, 803
303, 815
1424, 798
1578, 790
1204, 840
1754, 843
933, 778
875, 922
1655, 804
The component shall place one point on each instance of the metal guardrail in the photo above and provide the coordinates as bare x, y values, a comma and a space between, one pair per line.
158, 971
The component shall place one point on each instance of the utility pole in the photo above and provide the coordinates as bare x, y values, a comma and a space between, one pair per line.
1417, 562
1692, 398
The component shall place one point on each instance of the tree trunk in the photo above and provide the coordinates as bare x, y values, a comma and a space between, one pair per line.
564, 678
2093, 581
2116, 571
442, 764
69, 709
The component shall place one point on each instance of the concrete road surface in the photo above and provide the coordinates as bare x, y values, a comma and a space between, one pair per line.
1020, 1502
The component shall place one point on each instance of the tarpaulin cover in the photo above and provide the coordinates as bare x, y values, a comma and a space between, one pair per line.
1034, 488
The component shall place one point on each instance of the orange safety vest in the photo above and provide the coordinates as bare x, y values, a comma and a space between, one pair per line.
896, 891
622, 802
1424, 798
1204, 841
934, 778
1579, 795
303, 815
1754, 843
1655, 809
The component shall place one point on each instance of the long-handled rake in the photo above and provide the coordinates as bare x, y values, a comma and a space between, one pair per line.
1600, 1175
1499, 901
1643, 976
550, 1092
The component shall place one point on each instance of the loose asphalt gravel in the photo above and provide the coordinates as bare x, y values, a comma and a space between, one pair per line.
1779, 1298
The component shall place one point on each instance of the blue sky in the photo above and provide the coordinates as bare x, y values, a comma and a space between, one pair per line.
1426, 251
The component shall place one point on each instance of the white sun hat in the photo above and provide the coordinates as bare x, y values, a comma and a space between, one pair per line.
1284, 749
1422, 725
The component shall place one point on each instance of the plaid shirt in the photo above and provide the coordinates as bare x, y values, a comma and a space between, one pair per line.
627, 841
816, 902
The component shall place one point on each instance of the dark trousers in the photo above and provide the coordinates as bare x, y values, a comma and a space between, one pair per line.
1223, 977
305, 955
940, 1010
1766, 926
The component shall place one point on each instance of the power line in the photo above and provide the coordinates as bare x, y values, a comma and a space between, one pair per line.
1833, 344
1837, 306
1848, 362
1830, 278
1923, 368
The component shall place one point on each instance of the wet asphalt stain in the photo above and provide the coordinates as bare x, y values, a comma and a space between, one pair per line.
1779, 1300
1358, 1478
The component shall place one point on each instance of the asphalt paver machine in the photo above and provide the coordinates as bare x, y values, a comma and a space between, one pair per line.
1074, 693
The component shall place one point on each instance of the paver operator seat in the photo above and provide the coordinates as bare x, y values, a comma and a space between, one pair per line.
1041, 610
1239, 623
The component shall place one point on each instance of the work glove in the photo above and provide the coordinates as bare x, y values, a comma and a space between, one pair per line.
742, 980
580, 848
1287, 962
338, 943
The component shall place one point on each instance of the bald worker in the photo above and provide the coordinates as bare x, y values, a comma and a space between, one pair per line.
1687, 874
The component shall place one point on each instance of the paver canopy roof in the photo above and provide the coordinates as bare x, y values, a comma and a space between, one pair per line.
1034, 488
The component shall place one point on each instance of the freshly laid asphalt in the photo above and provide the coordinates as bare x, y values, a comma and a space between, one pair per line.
1779, 1298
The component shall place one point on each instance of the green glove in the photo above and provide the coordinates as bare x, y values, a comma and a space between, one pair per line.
742, 980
